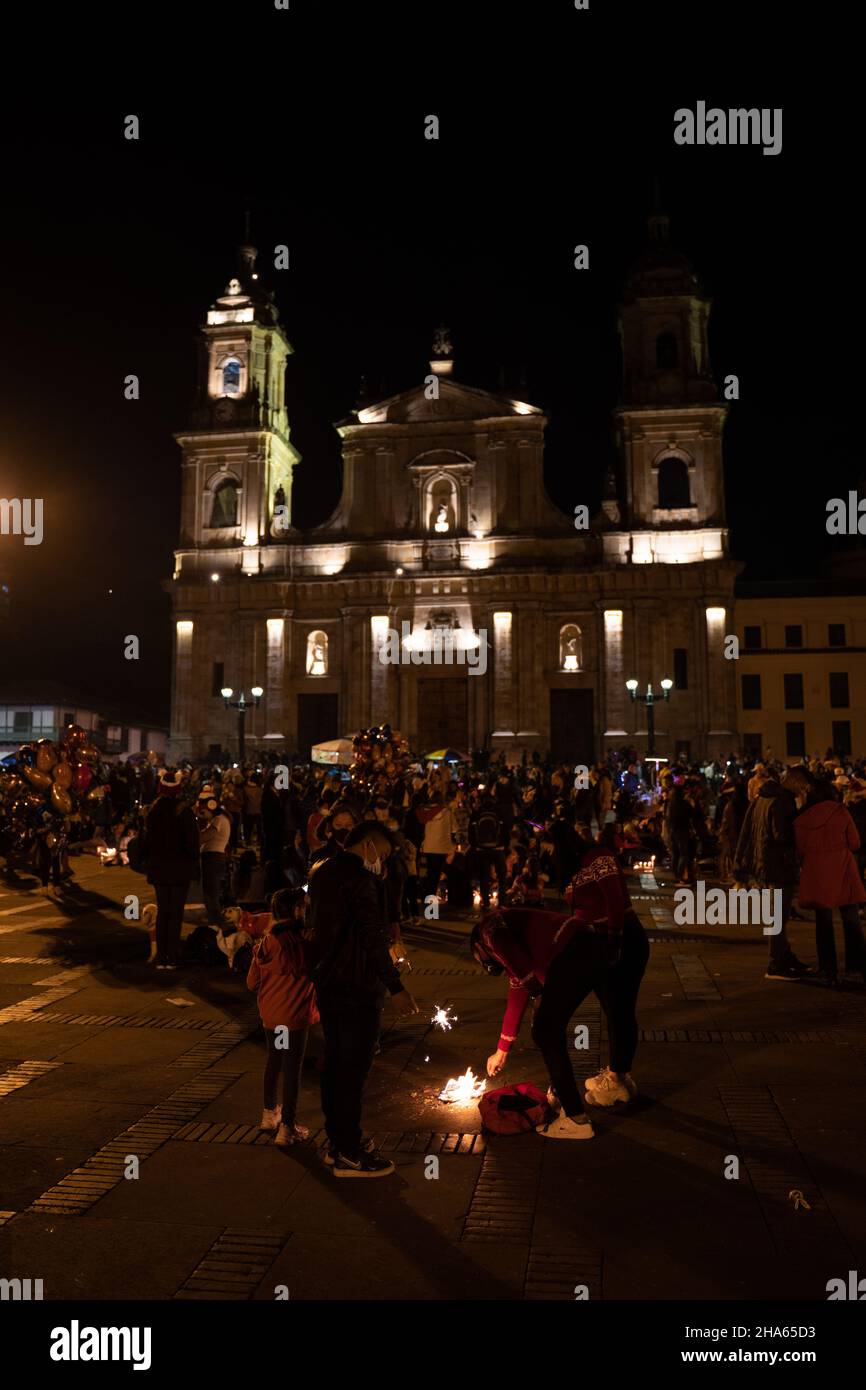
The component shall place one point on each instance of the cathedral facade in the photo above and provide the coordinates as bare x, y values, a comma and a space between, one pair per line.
447, 594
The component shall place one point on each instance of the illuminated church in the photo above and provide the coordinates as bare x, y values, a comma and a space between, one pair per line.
444, 526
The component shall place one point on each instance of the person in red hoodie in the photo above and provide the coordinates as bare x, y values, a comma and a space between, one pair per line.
280, 975
557, 960
827, 841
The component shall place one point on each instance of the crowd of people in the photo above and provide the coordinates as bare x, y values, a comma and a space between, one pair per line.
309, 876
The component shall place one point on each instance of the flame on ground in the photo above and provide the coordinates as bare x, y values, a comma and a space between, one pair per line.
462, 1090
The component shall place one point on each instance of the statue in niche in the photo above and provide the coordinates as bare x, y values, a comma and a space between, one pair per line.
441, 523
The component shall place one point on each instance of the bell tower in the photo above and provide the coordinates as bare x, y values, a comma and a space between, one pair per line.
237, 457
670, 420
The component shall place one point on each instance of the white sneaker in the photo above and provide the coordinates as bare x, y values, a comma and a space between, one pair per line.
563, 1127
285, 1136
271, 1118
605, 1089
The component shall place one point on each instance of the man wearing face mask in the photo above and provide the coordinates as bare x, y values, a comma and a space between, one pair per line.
352, 971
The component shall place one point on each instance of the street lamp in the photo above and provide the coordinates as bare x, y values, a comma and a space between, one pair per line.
241, 706
649, 699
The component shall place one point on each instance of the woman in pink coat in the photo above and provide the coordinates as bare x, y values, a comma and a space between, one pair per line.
827, 841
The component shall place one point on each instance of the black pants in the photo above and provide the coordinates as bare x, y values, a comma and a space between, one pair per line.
583, 967
170, 899
213, 872
435, 864
284, 1062
48, 864
487, 859
350, 1030
825, 939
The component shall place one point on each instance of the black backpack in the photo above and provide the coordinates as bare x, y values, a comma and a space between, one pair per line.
488, 830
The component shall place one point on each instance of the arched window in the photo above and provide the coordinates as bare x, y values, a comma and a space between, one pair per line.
317, 654
442, 504
225, 505
231, 376
667, 352
570, 648
674, 484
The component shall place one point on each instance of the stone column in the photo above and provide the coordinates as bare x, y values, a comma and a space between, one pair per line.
719, 683
275, 666
380, 712
616, 694
503, 675
181, 705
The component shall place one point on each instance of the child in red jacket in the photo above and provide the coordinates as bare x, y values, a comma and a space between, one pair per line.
280, 976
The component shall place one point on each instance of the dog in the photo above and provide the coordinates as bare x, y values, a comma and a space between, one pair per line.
148, 918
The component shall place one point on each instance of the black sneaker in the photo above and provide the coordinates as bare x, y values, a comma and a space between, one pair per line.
329, 1153
789, 971
369, 1165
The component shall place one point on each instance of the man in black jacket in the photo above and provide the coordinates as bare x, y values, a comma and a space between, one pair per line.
352, 971
766, 853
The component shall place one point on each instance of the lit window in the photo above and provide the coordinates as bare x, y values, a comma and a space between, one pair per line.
231, 376
317, 654
225, 505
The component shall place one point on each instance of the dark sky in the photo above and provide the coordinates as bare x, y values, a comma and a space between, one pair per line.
112, 251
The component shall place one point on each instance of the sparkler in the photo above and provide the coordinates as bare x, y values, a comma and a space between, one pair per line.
442, 1018
462, 1090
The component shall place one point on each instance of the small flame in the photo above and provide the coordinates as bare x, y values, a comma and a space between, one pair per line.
462, 1090
442, 1018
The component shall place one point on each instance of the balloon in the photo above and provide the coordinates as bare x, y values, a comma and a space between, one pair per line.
74, 735
27, 755
61, 799
89, 752
46, 757
63, 773
37, 778
83, 777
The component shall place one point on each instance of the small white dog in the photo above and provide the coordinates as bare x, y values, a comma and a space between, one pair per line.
148, 918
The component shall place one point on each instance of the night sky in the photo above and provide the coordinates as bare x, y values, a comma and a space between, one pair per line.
112, 251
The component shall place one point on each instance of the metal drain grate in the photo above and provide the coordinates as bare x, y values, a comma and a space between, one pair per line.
6, 1216
202, 1025
80, 1189
429, 970
23, 1074
407, 1141
717, 1035
560, 1274
695, 980
26, 1010
234, 1266
503, 1203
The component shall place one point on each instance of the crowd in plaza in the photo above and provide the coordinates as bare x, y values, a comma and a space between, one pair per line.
310, 875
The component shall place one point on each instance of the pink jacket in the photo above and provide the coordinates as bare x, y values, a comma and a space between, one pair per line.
826, 839
280, 976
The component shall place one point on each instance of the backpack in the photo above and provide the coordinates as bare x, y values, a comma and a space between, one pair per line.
513, 1109
488, 831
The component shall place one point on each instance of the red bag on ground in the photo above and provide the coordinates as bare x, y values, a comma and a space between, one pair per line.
513, 1109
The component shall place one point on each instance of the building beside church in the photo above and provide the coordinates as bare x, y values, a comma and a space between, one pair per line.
444, 527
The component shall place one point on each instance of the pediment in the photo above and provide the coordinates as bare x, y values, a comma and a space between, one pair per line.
455, 402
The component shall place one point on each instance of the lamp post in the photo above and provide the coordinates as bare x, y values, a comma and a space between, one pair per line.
240, 704
649, 699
